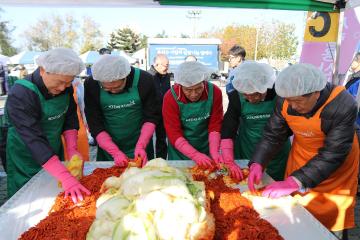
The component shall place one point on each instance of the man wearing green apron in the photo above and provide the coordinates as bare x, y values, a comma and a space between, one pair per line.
192, 112
250, 107
40, 109
121, 109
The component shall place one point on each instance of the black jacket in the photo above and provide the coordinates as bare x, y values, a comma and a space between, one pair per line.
150, 104
337, 123
162, 83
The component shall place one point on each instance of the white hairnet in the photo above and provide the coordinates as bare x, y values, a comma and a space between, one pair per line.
110, 68
299, 79
63, 61
252, 77
189, 74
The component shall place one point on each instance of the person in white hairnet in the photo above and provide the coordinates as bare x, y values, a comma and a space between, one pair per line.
122, 110
250, 107
193, 112
40, 109
323, 163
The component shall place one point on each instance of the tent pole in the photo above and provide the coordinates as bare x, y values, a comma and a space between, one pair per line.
335, 78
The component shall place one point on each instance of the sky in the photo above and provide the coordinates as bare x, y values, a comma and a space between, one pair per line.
150, 21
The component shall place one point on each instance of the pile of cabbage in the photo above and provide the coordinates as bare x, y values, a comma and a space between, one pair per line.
153, 202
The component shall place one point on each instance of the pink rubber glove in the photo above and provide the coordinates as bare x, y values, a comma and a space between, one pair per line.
227, 157
71, 137
105, 142
255, 175
69, 183
235, 171
147, 132
227, 150
185, 148
281, 188
214, 144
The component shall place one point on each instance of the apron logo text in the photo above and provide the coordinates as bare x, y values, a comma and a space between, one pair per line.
57, 116
305, 134
126, 105
207, 115
261, 116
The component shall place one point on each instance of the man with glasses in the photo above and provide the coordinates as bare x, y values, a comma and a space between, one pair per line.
121, 109
237, 56
40, 109
323, 164
193, 113
159, 71
250, 107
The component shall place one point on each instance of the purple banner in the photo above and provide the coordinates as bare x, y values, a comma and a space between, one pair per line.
321, 55
350, 43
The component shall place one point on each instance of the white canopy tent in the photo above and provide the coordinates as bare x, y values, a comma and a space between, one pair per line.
24, 57
125, 55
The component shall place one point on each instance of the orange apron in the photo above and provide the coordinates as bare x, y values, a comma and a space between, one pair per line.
83, 144
332, 202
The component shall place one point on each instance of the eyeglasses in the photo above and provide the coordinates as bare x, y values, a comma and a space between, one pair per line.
163, 65
231, 57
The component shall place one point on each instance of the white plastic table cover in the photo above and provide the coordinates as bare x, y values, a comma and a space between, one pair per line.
33, 202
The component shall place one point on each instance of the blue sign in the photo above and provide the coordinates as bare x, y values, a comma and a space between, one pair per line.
206, 54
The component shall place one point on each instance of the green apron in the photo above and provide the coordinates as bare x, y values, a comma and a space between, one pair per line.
20, 164
253, 120
123, 118
194, 119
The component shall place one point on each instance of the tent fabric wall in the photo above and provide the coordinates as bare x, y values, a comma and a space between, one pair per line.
304, 5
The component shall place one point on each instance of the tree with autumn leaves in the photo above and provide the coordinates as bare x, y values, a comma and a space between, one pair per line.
276, 40
63, 31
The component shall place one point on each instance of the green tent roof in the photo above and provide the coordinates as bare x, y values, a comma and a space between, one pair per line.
304, 5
